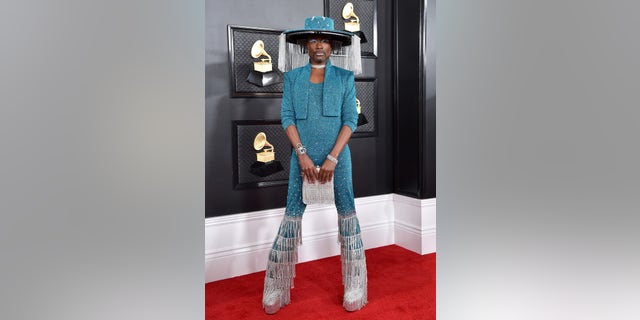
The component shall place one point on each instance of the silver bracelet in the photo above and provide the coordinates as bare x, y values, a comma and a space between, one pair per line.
332, 159
300, 149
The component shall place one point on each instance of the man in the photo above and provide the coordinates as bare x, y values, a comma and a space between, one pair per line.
319, 115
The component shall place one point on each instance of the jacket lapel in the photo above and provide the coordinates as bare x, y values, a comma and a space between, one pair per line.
302, 93
331, 92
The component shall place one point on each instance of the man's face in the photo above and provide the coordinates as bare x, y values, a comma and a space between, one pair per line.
319, 47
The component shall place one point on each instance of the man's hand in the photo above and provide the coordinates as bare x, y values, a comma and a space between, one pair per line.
326, 171
307, 168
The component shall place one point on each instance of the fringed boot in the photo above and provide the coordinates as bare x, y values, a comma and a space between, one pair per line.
354, 264
281, 270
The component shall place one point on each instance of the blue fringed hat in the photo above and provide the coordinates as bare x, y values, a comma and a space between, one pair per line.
345, 45
318, 25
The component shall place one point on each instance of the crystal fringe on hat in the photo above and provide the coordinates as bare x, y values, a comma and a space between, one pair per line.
294, 55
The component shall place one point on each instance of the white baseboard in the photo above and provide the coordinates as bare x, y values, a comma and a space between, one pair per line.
415, 223
238, 244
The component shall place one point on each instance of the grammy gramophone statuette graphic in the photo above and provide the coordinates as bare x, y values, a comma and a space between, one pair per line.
262, 74
266, 163
353, 25
362, 120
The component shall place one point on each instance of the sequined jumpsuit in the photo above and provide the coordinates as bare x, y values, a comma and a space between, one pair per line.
318, 133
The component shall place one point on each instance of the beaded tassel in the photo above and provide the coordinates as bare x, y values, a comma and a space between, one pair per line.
354, 265
294, 55
282, 259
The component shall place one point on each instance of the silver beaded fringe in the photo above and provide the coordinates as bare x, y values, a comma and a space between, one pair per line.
354, 264
294, 55
281, 269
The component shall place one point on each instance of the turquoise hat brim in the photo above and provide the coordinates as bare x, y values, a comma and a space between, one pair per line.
301, 34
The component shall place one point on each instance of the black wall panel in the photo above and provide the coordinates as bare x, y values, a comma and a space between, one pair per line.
428, 165
415, 103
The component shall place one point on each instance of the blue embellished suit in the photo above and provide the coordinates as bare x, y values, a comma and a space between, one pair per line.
319, 111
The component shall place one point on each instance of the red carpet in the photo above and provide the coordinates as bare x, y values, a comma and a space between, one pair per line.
402, 285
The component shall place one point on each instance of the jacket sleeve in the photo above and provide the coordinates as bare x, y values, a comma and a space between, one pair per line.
287, 114
349, 110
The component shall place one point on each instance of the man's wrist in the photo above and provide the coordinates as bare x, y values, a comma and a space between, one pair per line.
300, 149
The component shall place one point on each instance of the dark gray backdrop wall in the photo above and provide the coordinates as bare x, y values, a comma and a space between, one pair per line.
415, 104
372, 156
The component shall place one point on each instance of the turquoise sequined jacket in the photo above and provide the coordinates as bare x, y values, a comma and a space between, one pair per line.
339, 95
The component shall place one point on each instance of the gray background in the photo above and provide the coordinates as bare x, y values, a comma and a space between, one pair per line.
102, 160
537, 151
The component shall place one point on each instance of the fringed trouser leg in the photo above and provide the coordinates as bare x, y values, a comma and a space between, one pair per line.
354, 264
281, 264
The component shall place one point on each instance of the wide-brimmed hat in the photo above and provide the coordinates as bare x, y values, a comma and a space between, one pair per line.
345, 52
318, 25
